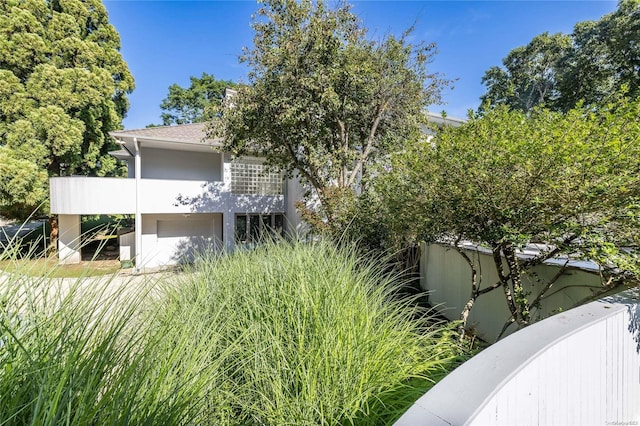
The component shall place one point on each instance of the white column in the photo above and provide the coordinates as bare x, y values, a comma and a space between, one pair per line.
138, 222
69, 239
294, 191
228, 230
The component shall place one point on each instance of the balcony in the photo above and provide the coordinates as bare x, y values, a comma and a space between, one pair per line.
92, 195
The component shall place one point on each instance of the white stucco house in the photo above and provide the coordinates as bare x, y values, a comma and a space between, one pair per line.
185, 193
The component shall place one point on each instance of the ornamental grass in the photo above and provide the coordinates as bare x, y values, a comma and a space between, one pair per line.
288, 333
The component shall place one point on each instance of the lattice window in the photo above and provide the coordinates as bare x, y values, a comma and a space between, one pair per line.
249, 176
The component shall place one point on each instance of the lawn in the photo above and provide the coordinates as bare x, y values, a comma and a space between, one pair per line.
48, 266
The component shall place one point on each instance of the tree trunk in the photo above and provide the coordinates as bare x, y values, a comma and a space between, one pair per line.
464, 315
519, 298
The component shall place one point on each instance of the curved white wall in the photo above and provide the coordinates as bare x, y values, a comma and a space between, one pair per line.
580, 367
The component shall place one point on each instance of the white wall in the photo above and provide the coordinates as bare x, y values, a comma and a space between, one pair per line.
294, 191
581, 367
69, 244
447, 278
92, 195
180, 165
169, 239
127, 244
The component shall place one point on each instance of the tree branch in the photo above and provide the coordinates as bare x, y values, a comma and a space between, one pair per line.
369, 145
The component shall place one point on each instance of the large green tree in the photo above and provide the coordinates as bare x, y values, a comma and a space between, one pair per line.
508, 178
529, 74
324, 100
604, 58
601, 58
63, 87
194, 103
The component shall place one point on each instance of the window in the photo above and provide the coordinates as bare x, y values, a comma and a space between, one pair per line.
250, 228
249, 176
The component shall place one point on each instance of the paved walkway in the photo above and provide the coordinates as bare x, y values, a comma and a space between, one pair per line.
122, 284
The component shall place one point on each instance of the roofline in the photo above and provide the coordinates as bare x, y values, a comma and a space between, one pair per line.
439, 118
119, 135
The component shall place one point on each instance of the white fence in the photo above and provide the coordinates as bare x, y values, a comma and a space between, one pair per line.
447, 278
581, 367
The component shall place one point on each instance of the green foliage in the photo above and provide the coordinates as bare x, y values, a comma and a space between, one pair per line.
81, 352
324, 101
601, 58
529, 74
193, 104
63, 87
270, 336
313, 342
507, 178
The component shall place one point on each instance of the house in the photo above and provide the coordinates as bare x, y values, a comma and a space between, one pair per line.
186, 195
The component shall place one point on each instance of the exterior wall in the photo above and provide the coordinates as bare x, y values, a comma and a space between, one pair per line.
127, 246
179, 183
87, 195
180, 165
580, 367
169, 239
92, 195
131, 167
69, 244
446, 276
175, 196
294, 191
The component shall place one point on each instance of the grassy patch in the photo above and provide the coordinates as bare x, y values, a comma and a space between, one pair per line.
48, 266
310, 334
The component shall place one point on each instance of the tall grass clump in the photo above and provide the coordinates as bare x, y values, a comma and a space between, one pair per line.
305, 334
288, 333
81, 352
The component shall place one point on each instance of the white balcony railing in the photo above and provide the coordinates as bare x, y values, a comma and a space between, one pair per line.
88, 195
92, 195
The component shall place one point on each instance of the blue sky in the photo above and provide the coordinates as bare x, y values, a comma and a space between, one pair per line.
165, 42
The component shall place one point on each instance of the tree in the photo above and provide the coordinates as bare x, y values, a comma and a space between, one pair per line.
506, 179
63, 87
193, 104
605, 57
601, 58
324, 101
529, 75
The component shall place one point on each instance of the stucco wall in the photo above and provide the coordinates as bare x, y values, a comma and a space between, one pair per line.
180, 165
447, 278
168, 239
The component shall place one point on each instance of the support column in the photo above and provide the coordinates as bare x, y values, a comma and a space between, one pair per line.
138, 219
69, 250
228, 231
